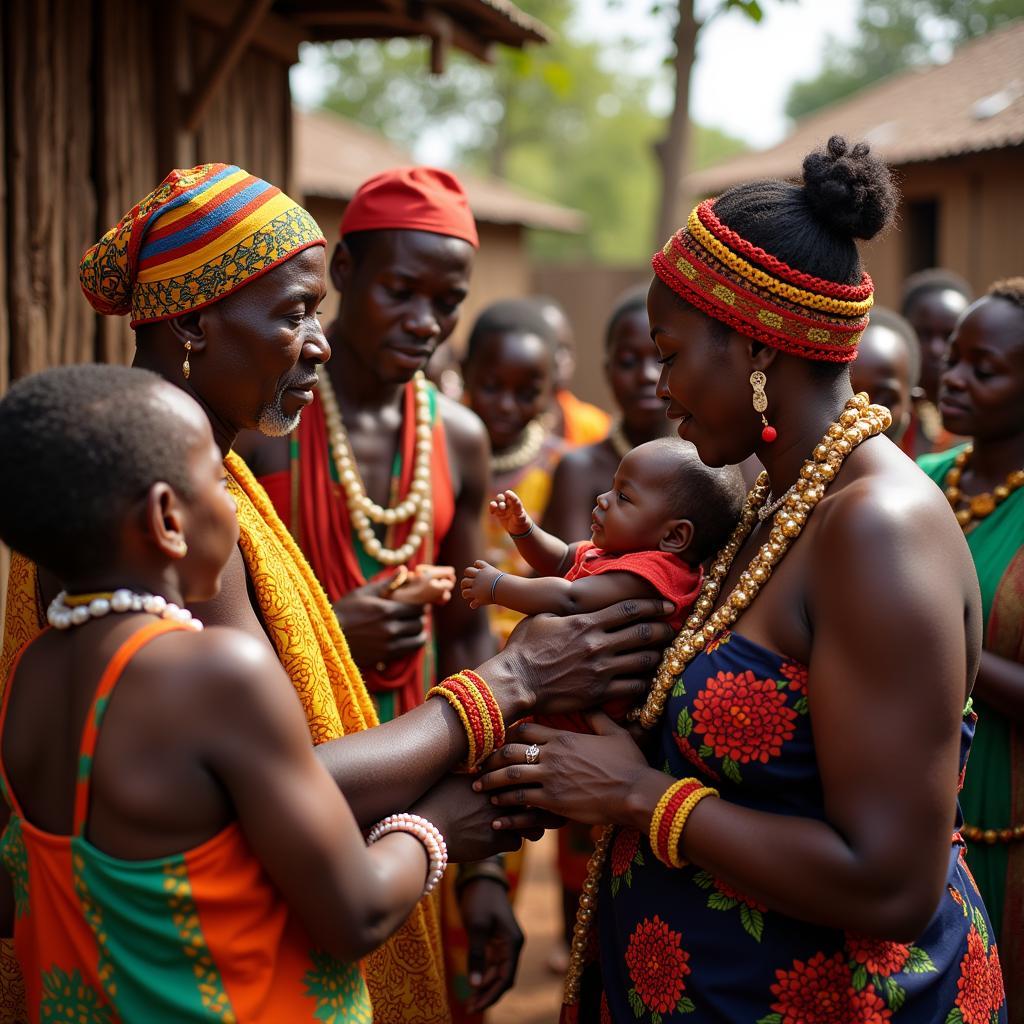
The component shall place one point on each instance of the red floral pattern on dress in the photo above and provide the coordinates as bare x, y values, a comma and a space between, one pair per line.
878, 957
627, 842
796, 674
722, 638
972, 988
821, 990
997, 994
606, 1013
691, 755
735, 894
742, 717
657, 964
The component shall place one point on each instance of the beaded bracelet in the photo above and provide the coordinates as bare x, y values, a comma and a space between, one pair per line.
426, 832
476, 711
474, 703
670, 816
497, 721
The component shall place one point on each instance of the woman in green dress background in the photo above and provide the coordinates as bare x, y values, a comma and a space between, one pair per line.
982, 397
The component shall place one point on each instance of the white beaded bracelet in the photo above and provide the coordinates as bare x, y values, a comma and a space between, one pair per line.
426, 832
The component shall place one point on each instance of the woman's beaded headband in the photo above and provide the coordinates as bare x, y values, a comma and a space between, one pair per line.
715, 269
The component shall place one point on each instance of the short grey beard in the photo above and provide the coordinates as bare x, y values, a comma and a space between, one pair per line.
273, 421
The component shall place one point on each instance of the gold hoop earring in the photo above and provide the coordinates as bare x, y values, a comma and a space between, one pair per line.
185, 368
757, 382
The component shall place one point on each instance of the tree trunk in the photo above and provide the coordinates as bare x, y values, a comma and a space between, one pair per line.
672, 151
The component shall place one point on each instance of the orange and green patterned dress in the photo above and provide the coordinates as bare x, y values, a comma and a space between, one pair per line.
202, 935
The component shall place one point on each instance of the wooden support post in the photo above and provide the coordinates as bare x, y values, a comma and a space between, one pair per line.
236, 39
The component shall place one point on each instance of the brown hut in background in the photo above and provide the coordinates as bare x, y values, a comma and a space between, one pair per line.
955, 135
334, 156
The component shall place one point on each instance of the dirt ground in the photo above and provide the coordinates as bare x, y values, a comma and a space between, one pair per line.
537, 994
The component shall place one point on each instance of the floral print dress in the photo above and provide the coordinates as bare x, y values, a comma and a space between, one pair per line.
679, 945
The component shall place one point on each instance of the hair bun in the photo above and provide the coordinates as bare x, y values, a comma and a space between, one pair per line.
848, 190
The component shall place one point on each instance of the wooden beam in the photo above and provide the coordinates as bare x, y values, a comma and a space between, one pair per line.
236, 40
432, 25
278, 36
440, 28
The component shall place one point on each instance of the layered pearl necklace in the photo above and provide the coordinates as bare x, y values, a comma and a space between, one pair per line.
856, 424
978, 505
523, 453
365, 512
68, 610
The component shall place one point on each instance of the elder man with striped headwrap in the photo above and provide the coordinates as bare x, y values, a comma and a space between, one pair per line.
222, 275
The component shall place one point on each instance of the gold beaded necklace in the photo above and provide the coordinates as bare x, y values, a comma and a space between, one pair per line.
858, 421
978, 505
364, 511
523, 453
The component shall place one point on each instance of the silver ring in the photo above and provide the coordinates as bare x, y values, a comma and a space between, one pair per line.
532, 754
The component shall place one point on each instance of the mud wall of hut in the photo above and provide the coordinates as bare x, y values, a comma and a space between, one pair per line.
95, 95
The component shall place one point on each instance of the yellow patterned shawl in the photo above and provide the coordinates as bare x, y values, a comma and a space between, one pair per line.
406, 975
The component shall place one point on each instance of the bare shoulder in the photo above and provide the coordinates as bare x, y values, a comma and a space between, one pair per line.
890, 521
464, 428
220, 669
263, 455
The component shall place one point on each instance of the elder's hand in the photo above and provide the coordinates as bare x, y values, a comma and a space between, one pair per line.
466, 819
587, 778
575, 662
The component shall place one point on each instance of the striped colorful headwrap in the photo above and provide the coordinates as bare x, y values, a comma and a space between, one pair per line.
199, 235
715, 269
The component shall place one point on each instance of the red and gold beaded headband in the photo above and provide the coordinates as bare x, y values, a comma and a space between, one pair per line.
725, 276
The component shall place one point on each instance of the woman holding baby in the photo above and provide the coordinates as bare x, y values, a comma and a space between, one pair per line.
780, 845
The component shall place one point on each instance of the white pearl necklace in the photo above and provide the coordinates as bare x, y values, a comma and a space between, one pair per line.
61, 616
523, 453
364, 511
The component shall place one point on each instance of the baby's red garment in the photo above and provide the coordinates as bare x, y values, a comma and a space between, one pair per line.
674, 580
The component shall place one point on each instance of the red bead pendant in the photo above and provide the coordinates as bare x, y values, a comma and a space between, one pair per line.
768, 434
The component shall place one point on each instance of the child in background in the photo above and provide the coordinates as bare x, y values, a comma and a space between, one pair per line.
510, 376
158, 866
665, 514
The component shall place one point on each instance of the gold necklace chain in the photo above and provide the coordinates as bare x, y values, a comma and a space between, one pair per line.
978, 505
524, 452
858, 421
362, 510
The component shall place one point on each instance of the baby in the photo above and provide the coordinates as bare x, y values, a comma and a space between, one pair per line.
664, 515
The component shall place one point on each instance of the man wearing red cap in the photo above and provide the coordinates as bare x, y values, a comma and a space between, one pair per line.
384, 481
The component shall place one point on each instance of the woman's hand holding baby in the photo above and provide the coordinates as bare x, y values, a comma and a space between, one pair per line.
478, 583
507, 508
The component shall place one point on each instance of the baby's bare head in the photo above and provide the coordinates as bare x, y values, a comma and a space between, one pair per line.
658, 487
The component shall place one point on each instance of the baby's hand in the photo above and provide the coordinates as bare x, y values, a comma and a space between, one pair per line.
508, 509
477, 582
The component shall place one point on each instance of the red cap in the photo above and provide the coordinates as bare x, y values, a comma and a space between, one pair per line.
412, 199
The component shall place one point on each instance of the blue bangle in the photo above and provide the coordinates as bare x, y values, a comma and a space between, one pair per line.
520, 536
494, 585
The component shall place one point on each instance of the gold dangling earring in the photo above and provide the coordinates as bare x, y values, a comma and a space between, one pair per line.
757, 382
185, 368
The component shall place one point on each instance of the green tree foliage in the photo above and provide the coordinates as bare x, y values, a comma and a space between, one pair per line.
567, 121
893, 35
